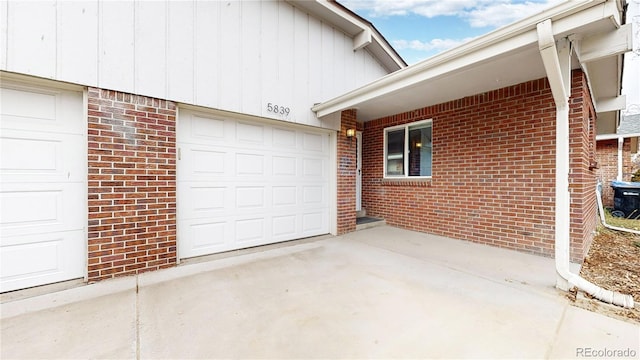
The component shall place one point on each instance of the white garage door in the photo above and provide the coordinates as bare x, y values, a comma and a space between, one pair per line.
246, 183
42, 186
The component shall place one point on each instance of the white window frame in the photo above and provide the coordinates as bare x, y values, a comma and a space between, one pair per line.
406, 150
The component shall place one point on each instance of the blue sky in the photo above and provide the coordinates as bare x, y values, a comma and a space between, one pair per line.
419, 29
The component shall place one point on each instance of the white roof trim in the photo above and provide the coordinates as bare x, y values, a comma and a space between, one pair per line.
364, 33
510, 37
616, 136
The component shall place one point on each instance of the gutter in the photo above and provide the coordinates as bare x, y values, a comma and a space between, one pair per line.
515, 35
557, 64
620, 160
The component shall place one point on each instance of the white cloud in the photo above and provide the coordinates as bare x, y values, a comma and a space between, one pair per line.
434, 45
478, 13
503, 13
427, 8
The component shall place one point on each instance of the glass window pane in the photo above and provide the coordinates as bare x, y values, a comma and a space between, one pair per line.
395, 152
420, 150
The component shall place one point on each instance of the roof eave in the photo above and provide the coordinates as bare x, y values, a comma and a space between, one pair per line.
510, 37
362, 31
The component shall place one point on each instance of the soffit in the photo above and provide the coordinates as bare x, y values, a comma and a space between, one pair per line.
506, 57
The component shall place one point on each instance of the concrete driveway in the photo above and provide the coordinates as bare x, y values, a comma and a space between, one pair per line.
376, 293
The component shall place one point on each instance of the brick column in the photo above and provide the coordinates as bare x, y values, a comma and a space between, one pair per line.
131, 184
582, 178
607, 156
346, 174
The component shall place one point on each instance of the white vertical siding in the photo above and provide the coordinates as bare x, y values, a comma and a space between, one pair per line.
32, 38
230, 54
181, 51
287, 82
268, 62
4, 18
250, 72
115, 46
150, 48
77, 29
233, 55
206, 53
302, 63
315, 61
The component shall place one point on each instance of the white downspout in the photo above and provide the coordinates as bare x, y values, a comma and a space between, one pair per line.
620, 146
557, 64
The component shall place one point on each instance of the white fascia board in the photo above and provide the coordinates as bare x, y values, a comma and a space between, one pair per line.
438, 66
363, 33
603, 45
393, 55
616, 136
362, 39
347, 17
510, 37
611, 104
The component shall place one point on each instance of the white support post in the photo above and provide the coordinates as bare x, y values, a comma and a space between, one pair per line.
620, 148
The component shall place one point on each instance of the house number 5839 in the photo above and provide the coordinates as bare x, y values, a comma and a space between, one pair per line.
278, 109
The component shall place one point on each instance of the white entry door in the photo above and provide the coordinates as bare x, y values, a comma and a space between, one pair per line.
243, 183
43, 175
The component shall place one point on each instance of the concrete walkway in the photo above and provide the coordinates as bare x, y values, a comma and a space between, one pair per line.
376, 293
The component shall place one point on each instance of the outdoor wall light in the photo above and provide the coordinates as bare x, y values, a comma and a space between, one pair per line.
351, 133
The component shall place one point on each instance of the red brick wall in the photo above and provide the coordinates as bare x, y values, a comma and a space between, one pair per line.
607, 156
493, 171
132, 184
582, 177
346, 174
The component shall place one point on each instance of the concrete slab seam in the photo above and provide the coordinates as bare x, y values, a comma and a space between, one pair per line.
556, 333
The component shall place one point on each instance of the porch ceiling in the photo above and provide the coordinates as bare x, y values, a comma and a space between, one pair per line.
507, 56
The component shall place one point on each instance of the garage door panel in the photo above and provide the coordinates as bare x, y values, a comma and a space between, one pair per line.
40, 258
38, 110
37, 156
284, 139
313, 168
250, 197
284, 196
29, 104
282, 166
208, 161
313, 222
39, 207
250, 230
250, 164
285, 227
249, 135
211, 234
313, 142
253, 183
43, 176
201, 130
314, 195
40, 156
209, 198
31, 208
